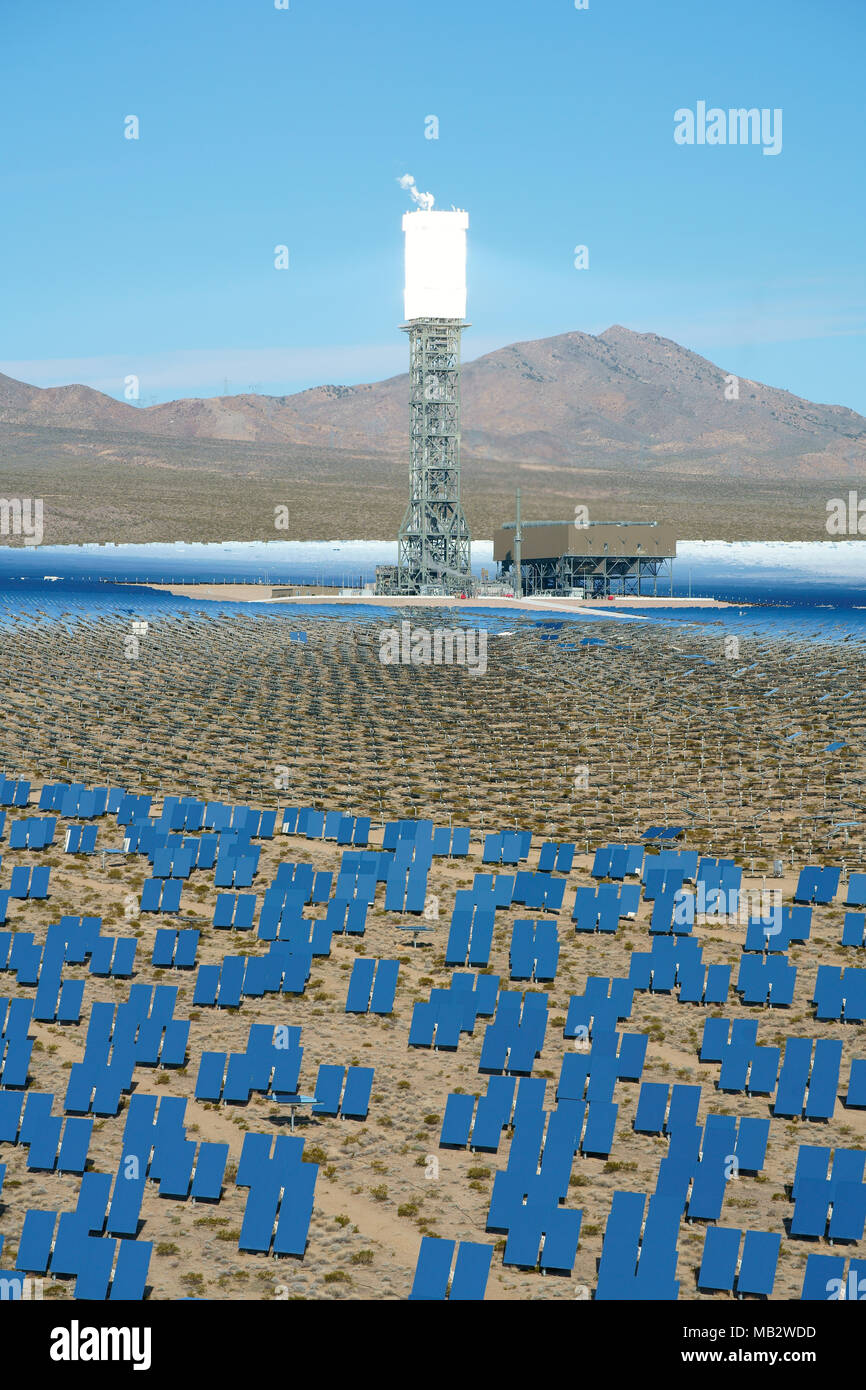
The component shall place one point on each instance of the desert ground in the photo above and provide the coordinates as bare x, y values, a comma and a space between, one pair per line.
108, 486
576, 743
579, 737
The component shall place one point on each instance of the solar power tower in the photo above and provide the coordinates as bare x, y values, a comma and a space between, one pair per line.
434, 540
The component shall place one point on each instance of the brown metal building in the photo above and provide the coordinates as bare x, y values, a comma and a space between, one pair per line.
600, 557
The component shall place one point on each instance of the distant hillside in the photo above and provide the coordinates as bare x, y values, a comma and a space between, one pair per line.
619, 400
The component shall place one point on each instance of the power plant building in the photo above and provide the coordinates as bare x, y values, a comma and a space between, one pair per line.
595, 559
599, 558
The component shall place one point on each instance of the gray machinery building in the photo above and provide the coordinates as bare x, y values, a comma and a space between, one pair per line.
600, 557
433, 548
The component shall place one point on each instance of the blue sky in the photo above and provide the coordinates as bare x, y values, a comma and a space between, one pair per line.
261, 127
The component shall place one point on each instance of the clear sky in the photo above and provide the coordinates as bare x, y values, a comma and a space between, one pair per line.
261, 127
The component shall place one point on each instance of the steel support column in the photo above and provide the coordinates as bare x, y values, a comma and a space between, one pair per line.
434, 541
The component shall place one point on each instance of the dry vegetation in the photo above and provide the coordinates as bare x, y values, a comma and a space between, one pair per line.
212, 708
102, 486
374, 1195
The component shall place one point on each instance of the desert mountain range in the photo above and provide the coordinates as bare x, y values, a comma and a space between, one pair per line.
619, 399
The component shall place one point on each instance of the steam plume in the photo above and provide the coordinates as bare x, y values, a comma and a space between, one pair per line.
421, 200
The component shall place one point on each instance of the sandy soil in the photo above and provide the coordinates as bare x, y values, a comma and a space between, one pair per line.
373, 1173
217, 707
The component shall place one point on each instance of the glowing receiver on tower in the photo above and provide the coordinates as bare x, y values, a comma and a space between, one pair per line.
435, 265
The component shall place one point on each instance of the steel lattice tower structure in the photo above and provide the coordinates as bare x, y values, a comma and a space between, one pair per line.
433, 546
434, 540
